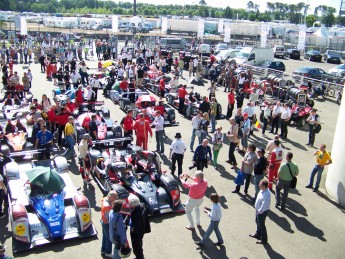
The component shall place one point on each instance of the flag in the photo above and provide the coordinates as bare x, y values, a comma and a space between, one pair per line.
257, 124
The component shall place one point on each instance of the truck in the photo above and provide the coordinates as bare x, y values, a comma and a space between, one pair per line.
245, 29
182, 26
253, 56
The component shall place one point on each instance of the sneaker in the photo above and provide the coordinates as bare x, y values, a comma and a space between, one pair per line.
2, 215
109, 255
309, 187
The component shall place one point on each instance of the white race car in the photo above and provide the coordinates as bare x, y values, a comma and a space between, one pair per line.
45, 206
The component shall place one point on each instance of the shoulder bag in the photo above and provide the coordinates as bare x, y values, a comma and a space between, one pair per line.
293, 183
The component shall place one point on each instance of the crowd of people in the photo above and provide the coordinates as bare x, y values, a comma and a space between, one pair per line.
52, 121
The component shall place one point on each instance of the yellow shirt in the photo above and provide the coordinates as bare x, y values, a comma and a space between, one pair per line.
322, 158
69, 129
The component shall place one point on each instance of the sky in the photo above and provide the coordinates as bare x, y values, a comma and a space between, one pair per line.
243, 3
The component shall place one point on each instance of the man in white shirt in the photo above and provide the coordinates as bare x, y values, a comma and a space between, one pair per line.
177, 149
159, 124
83, 72
75, 78
90, 96
95, 84
195, 126
262, 206
285, 118
174, 82
69, 56
120, 73
277, 111
195, 65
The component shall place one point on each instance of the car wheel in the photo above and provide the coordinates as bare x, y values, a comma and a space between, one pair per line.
301, 122
331, 92
311, 103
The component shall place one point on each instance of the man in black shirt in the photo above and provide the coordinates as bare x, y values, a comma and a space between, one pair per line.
41, 60
205, 105
259, 169
140, 77
93, 127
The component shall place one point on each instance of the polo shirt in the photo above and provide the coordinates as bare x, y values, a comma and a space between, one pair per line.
69, 129
322, 157
124, 85
178, 147
284, 172
93, 127
44, 138
127, 122
182, 92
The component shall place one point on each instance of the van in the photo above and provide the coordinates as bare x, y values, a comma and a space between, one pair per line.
205, 50
279, 51
253, 56
146, 27
173, 43
226, 55
124, 26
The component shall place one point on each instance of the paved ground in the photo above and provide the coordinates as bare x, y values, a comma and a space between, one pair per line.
311, 227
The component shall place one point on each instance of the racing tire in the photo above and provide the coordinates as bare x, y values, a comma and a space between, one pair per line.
311, 103
330, 92
126, 102
301, 122
188, 111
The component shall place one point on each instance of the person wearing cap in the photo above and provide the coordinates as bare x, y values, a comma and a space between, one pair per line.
286, 173
217, 140
260, 169
140, 224
159, 126
246, 132
106, 207
70, 136
177, 149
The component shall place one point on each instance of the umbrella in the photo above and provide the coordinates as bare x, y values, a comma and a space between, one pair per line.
47, 179
146, 98
107, 63
85, 118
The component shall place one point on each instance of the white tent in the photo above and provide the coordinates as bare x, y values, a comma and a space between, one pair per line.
322, 37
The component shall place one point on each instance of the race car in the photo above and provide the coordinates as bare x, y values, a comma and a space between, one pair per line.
61, 96
107, 129
153, 85
45, 206
139, 172
191, 104
148, 103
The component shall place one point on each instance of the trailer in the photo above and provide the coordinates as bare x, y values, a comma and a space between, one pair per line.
182, 26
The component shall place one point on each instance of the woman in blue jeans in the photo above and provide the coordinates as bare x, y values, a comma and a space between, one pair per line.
204, 126
215, 213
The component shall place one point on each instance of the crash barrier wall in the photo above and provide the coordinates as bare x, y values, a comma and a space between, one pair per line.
283, 78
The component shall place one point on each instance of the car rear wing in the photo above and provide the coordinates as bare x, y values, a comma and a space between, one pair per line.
111, 141
33, 151
94, 103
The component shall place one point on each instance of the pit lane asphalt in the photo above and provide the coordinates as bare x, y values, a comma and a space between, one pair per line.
311, 227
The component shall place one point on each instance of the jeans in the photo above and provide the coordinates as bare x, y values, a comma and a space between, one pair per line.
2, 196
284, 128
213, 122
193, 204
244, 141
229, 111
311, 134
232, 157
261, 231
116, 253
275, 124
214, 226
69, 152
246, 185
159, 141
282, 184
106, 243
203, 136
192, 140
257, 180
317, 169
265, 126
181, 72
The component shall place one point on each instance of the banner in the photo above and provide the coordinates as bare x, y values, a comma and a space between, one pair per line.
227, 33
201, 28
23, 26
115, 24
164, 25
16, 22
301, 37
221, 26
265, 28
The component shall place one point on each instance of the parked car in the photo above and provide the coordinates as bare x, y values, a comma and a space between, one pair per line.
313, 55
293, 54
226, 55
331, 56
338, 70
279, 51
220, 47
276, 65
311, 72
98, 27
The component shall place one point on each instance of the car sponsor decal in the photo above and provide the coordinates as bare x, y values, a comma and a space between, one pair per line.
20, 229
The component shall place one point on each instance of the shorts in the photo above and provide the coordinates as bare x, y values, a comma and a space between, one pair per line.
162, 93
54, 75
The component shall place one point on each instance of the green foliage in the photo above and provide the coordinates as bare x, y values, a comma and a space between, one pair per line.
340, 20
310, 19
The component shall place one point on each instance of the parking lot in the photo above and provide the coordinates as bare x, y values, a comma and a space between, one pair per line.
311, 227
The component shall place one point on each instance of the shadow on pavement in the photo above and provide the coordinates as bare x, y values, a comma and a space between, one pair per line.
303, 225
5, 230
325, 197
296, 207
89, 192
224, 173
271, 253
163, 217
280, 221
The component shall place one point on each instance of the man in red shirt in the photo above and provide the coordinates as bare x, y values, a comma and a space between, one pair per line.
162, 87
181, 93
124, 85
160, 107
51, 119
196, 195
142, 128
127, 124
70, 107
231, 103
61, 120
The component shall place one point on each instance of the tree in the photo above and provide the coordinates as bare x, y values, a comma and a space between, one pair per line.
202, 2
228, 13
250, 6
340, 20
310, 19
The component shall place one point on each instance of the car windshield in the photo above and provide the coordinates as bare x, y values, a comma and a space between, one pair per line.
340, 67
304, 70
222, 46
314, 52
223, 54
334, 53
242, 55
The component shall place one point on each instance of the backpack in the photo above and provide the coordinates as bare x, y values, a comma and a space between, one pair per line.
318, 126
